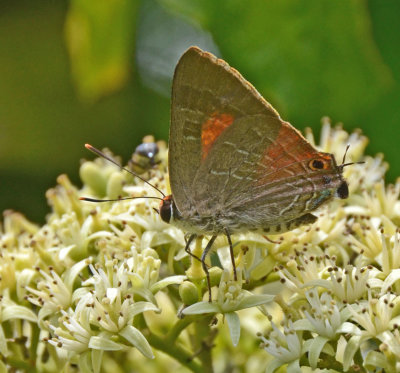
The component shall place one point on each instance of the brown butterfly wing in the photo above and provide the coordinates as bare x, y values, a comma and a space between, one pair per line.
248, 175
208, 97
231, 155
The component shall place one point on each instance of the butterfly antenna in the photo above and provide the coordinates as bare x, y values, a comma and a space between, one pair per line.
344, 159
345, 153
105, 156
114, 200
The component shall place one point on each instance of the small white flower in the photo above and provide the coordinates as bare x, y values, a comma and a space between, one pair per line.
230, 298
324, 317
325, 320
348, 284
368, 239
302, 271
54, 293
335, 140
375, 316
382, 201
285, 346
392, 340
17, 316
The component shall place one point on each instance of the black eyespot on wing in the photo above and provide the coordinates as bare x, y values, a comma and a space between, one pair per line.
317, 164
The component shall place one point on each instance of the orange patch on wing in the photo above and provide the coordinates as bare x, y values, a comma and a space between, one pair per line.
212, 128
288, 140
288, 148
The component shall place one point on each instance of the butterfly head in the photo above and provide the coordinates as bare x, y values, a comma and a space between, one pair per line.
333, 180
327, 179
167, 208
343, 189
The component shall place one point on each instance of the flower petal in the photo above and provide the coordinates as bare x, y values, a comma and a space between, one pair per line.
171, 280
97, 358
351, 348
136, 338
274, 365
234, 326
140, 307
18, 312
254, 300
3, 342
303, 324
294, 367
390, 280
375, 359
315, 349
349, 328
104, 342
84, 364
201, 307
72, 273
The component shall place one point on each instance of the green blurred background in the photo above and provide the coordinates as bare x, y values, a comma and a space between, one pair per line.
99, 71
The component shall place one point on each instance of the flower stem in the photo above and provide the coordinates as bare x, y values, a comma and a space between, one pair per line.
169, 343
173, 350
202, 341
179, 326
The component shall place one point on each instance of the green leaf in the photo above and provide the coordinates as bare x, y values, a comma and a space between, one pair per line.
309, 58
100, 38
326, 47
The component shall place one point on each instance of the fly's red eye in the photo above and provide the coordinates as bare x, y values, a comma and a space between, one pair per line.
318, 164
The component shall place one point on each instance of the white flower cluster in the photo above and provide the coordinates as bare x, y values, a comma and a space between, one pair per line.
109, 285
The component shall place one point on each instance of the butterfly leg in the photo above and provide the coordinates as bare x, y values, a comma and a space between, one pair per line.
187, 247
204, 265
228, 236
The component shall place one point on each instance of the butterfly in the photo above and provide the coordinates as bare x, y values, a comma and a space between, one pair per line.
234, 164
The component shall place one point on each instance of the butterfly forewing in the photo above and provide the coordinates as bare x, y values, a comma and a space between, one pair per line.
208, 98
232, 156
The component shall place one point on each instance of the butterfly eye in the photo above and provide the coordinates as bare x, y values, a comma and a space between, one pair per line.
318, 164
